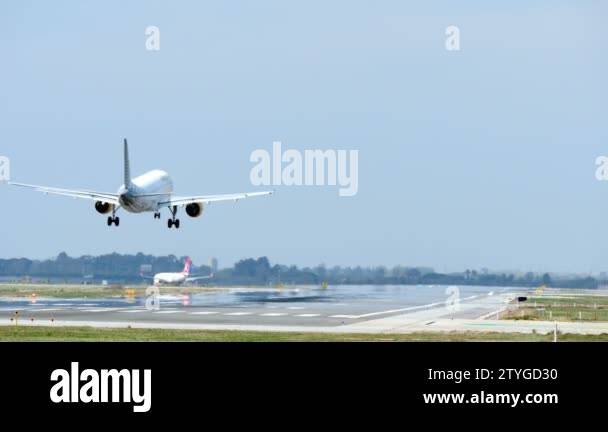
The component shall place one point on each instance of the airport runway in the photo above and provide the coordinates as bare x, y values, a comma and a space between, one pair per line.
307, 309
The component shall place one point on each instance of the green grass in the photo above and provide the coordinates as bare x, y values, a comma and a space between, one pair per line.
551, 308
90, 334
88, 291
63, 291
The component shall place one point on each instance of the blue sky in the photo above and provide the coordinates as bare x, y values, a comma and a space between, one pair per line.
477, 158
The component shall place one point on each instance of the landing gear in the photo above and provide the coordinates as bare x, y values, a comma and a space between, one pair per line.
113, 219
157, 215
173, 222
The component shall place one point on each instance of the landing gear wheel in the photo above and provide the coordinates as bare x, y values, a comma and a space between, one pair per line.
113, 220
173, 222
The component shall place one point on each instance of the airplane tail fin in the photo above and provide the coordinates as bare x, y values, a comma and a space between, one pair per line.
187, 266
127, 166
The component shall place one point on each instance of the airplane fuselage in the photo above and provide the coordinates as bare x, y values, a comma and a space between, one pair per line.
146, 192
170, 278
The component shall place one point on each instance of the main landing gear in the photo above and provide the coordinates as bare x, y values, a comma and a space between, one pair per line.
173, 222
157, 215
113, 219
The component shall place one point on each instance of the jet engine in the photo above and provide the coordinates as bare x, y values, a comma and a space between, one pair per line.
103, 207
194, 210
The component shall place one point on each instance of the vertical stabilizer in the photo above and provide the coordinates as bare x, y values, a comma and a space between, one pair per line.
127, 166
187, 266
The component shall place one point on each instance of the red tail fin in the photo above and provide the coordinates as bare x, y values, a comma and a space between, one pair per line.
187, 266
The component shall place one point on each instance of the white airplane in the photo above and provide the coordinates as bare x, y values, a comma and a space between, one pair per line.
149, 192
178, 278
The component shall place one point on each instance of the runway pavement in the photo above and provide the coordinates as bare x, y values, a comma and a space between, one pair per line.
336, 309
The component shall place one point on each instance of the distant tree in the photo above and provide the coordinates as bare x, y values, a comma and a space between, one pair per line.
320, 271
259, 269
413, 274
62, 256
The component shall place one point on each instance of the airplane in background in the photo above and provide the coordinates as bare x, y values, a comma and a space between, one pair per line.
178, 278
149, 192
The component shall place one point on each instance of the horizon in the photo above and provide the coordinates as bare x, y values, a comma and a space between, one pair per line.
203, 263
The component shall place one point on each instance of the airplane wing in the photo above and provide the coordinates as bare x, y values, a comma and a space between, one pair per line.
205, 199
84, 194
195, 278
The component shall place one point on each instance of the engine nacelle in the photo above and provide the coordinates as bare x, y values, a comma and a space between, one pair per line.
194, 210
103, 207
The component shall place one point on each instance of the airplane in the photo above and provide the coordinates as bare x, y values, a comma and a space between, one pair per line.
178, 278
150, 192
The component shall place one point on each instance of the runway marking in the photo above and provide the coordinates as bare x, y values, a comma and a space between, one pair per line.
65, 304
103, 310
491, 314
169, 311
132, 311
296, 307
407, 309
204, 313
275, 314
45, 310
238, 313
308, 315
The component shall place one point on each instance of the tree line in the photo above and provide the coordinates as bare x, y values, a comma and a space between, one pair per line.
259, 271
